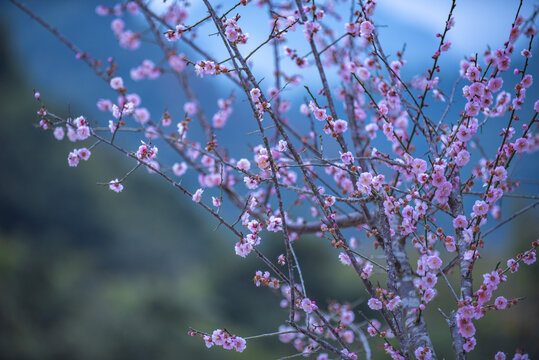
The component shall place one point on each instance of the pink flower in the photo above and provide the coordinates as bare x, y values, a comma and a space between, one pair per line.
445, 46
197, 196
345, 259
462, 158
347, 316
460, 222
365, 178
408, 212
366, 29
527, 81
428, 295
443, 192
423, 353
320, 114
450, 244
145, 152
494, 85
513, 265
466, 327
208, 341
347, 158
329, 201
374, 326
254, 226
529, 258
464, 134
282, 146
472, 73
84, 154
308, 306
251, 182
348, 354
112, 126
177, 62
472, 109
115, 186
469, 345
255, 94
243, 164
218, 336
366, 272
239, 344
142, 115
253, 239
434, 262
340, 126
83, 132
275, 224
499, 174
348, 336
216, 201
491, 280
116, 83
73, 158
429, 280
59, 133
101, 10
375, 304
418, 166
179, 168
71, 134
500, 303
262, 161
480, 208
393, 303
499, 356
520, 145
243, 248
466, 312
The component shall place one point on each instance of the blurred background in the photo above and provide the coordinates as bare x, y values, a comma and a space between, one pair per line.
86, 273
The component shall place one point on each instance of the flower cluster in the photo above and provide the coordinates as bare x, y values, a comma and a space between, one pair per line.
176, 34
261, 106
223, 338
264, 279
233, 31
147, 70
127, 39
207, 67
76, 155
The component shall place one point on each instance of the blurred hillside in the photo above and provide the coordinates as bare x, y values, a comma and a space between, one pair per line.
86, 273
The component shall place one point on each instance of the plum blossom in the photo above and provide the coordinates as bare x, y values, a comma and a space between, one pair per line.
374, 304
434, 262
340, 126
116, 186
308, 305
73, 158
480, 208
243, 248
117, 83
418, 166
179, 168
347, 158
197, 196
59, 133
366, 29
460, 222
